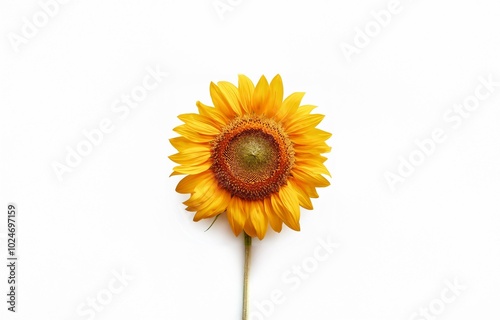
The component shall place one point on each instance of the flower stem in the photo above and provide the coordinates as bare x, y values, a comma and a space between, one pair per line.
248, 245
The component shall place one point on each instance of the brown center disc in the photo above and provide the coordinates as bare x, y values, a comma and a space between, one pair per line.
252, 157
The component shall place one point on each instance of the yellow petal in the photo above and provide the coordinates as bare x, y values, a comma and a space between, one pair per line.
275, 222
256, 224
245, 89
207, 194
220, 101
310, 157
189, 183
305, 124
312, 165
302, 196
190, 159
275, 96
301, 112
236, 215
260, 96
316, 148
216, 117
192, 169
289, 106
232, 96
311, 137
199, 123
286, 206
192, 135
250, 229
204, 192
183, 144
214, 206
308, 177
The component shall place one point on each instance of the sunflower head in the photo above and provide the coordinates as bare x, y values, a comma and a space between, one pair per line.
253, 155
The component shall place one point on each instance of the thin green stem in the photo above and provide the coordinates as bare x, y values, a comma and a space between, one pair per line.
248, 246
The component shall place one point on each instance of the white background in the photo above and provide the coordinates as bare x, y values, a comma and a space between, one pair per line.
117, 210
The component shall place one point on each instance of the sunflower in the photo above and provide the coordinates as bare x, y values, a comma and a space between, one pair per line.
253, 155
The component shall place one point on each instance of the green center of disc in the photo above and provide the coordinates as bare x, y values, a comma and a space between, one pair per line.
253, 156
